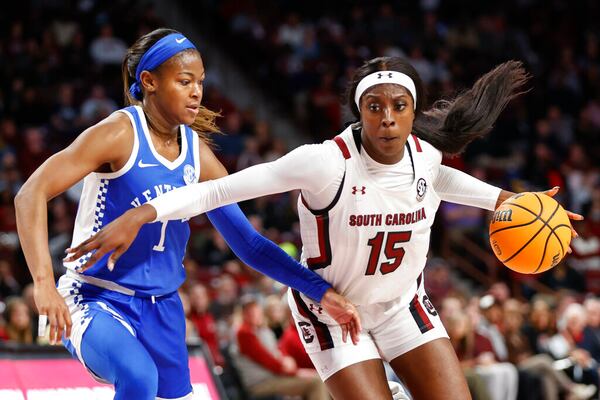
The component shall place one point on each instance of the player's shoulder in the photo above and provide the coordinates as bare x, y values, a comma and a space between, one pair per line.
431, 153
325, 150
111, 135
114, 126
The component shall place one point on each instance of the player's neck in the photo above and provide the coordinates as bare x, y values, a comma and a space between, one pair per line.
160, 128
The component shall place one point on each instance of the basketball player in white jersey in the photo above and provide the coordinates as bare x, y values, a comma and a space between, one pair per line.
368, 200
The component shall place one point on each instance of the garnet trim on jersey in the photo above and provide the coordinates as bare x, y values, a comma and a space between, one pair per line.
417, 311
417, 143
321, 329
342, 145
322, 218
324, 258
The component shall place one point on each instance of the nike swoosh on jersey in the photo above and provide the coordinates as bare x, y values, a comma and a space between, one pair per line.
179, 41
143, 165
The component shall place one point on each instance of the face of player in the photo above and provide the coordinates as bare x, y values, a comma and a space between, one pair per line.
387, 115
179, 87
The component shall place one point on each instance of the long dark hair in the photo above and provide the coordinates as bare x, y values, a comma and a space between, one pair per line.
204, 124
450, 125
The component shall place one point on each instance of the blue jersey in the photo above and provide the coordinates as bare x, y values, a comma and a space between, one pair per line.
153, 263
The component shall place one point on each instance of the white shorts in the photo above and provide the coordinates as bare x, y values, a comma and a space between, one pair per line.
389, 330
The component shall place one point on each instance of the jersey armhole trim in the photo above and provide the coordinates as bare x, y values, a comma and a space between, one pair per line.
331, 205
132, 156
196, 152
343, 147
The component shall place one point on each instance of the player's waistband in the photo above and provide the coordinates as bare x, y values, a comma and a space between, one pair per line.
109, 285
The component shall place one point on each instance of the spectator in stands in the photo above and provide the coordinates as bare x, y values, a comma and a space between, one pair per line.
191, 334
203, 320
231, 144
490, 325
10, 175
97, 106
263, 368
35, 150
18, 321
591, 332
275, 314
106, 48
29, 300
564, 345
462, 337
519, 353
540, 326
438, 282
586, 255
290, 344
9, 286
250, 156
226, 299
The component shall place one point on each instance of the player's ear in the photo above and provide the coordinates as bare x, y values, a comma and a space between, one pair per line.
148, 81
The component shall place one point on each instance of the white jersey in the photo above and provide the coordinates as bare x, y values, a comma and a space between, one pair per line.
371, 243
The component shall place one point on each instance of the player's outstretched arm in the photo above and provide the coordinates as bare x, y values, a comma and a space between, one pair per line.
302, 169
458, 187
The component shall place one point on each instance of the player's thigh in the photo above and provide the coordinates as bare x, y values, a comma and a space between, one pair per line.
163, 335
363, 380
102, 351
432, 372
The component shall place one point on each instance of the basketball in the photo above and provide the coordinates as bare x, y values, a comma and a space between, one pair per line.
530, 233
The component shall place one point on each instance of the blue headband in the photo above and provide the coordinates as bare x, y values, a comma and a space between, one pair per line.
160, 52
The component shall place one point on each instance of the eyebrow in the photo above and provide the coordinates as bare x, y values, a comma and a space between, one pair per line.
378, 96
192, 74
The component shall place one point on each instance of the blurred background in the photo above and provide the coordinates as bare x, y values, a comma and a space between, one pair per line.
277, 71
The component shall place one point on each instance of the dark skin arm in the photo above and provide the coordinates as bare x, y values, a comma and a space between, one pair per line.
120, 233
111, 142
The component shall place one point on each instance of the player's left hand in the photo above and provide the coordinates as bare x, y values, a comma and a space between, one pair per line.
576, 217
344, 312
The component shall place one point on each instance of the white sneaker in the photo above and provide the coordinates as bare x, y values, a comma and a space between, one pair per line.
583, 392
398, 392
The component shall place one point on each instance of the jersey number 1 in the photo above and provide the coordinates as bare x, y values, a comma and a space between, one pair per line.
161, 243
393, 254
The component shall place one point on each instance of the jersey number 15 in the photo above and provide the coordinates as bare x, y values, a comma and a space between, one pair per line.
392, 253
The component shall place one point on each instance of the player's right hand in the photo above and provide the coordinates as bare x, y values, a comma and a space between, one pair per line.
344, 312
52, 305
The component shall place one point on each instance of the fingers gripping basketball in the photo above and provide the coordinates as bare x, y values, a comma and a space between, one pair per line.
530, 232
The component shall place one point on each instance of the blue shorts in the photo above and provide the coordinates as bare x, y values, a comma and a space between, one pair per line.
157, 323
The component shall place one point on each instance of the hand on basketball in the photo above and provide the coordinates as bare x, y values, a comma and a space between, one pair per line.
576, 217
117, 236
344, 312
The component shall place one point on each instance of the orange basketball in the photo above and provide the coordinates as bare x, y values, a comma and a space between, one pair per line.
530, 232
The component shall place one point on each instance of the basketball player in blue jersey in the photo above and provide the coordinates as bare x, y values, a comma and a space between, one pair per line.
368, 200
124, 321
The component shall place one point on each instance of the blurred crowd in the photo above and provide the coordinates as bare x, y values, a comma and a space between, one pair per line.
61, 67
